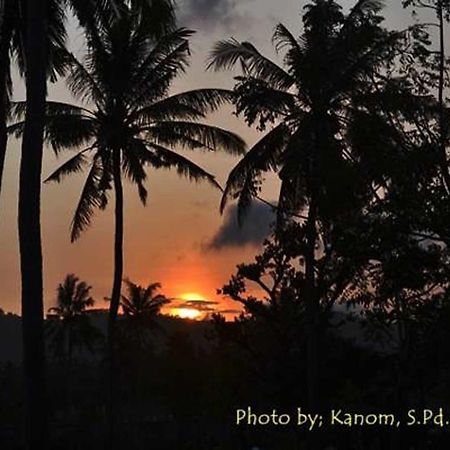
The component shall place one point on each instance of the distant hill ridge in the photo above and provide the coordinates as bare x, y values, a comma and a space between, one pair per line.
196, 332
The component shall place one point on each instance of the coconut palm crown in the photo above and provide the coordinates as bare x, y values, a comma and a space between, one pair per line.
142, 302
307, 104
141, 306
130, 122
69, 328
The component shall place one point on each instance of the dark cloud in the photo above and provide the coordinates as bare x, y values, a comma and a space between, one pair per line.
196, 303
209, 14
254, 230
201, 305
205, 306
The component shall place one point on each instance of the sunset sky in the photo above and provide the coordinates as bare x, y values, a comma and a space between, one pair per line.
179, 239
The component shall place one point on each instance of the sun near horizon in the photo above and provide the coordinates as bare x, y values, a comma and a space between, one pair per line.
188, 312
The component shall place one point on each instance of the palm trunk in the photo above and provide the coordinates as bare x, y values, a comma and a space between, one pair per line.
2, 12
3, 132
5, 36
312, 301
30, 229
115, 297
311, 308
443, 128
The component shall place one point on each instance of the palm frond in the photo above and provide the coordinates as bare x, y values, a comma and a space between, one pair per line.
163, 49
17, 110
260, 102
82, 83
263, 156
75, 164
16, 129
66, 126
151, 289
55, 37
294, 55
187, 105
291, 199
132, 165
193, 135
249, 189
161, 157
167, 109
154, 76
65, 132
92, 197
205, 100
157, 17
283, 38
227, 53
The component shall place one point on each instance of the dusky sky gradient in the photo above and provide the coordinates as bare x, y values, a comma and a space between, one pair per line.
180, 239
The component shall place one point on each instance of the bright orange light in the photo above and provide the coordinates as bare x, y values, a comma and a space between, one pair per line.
186, 313
191, 296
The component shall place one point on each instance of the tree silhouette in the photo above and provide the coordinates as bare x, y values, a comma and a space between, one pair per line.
13, 39
309, 104
130, 122
271, 329
43, 55
69, 328
140, 308
29, 225
441, 8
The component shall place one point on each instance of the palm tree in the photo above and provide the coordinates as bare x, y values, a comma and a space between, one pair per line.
29, 225
70, 327
308, 104
13, 41
43, 20
142, 303
133, 123
129, 122
140, 308
159, 16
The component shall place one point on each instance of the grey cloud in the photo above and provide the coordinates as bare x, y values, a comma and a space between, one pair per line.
254, 230
200, 302
202, 305
209, 14
206, 306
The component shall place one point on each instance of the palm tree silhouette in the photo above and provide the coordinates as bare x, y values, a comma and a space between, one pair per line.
36, 23
133, 123
140, 308
43, 20
38, 58
310, 103
70, 328
13, 39
130, 122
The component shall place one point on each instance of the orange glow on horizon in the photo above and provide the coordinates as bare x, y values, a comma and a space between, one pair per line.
186, 313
